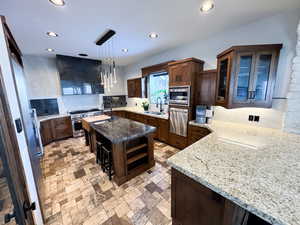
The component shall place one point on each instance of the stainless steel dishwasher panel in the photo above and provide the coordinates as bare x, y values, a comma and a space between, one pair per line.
179, 121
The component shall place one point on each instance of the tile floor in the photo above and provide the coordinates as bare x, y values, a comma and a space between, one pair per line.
77, 192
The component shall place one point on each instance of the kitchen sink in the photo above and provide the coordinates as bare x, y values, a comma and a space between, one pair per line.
155, 113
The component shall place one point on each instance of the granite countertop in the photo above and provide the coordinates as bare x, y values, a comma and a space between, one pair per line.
43, 118
256, 168
119, 129
140, 110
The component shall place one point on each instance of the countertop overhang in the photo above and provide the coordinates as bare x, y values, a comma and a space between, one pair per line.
256, 168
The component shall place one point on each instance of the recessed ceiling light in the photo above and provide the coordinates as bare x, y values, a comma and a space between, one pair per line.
124, 50
52, 34
207, 6
153, 35
58, 2
50, 49
83, 54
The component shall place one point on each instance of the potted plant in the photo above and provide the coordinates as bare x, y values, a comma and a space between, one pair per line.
145, 105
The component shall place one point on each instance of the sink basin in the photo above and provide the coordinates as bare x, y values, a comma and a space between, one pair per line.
155, 113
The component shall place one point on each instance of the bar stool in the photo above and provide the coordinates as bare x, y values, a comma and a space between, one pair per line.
106, 161
99, 154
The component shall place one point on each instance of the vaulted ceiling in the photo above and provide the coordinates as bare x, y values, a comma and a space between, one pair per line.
80, 22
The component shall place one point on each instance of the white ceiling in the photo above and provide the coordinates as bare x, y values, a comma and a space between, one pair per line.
80, 22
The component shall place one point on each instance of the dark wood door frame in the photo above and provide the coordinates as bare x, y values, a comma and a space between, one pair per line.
12, 155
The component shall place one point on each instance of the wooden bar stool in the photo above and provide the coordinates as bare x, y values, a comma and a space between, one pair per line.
107, 162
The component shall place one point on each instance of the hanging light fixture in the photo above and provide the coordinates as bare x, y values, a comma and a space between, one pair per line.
107, 69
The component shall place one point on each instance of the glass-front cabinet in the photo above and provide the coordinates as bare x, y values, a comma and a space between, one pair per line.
246, 76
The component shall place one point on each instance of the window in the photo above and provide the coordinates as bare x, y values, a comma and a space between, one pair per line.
158, 86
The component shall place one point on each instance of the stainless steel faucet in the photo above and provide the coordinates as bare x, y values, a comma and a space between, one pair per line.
160, 104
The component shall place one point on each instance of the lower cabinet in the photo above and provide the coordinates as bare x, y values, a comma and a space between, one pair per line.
119, 113
46, 132
177, 141
195, 133
62, 128
55, 129
194, 204
163, 130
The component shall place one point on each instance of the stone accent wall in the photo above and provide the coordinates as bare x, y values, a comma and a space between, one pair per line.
292, 116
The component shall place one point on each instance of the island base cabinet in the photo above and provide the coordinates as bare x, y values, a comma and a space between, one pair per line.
195, 204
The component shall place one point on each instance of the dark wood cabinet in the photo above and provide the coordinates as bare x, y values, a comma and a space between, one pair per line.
205, 91
177, 141
246, 76
194, 204
184, 72
55, 129
62, 128
119, 113
195, 133
46, 132
134, 88
163, 130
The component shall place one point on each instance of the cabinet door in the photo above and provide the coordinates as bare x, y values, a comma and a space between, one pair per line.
163, 130
62, 127
205, 91
180, 74
131, 88
46, 132
223, 79
264, 77
194, 204
134, 88
244, 77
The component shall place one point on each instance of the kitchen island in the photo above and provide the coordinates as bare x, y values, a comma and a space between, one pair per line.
131, 144
236, 173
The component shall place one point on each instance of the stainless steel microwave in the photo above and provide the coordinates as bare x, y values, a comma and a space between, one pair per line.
179, 95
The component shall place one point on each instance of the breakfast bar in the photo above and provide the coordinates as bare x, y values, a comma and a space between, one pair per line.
130, 142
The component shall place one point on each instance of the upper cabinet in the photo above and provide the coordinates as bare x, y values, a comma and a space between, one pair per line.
184, 72
246, 76
205, 91
134, 88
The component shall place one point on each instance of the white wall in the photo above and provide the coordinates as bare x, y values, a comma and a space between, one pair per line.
43, 81
292, 118
279, 28
15, 114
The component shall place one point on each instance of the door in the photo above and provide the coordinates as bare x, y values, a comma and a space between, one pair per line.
13, 189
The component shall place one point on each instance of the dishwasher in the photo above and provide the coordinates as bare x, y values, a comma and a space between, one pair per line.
179, 121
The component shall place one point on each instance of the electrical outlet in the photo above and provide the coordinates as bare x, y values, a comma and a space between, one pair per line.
256, 118
251, 118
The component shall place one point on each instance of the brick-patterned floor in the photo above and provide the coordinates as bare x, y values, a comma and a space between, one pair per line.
77, 192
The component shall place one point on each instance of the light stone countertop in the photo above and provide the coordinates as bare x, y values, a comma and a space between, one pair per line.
140, 110
256, 168
43, 118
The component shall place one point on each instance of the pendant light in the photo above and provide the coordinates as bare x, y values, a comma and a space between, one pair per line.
107, 68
